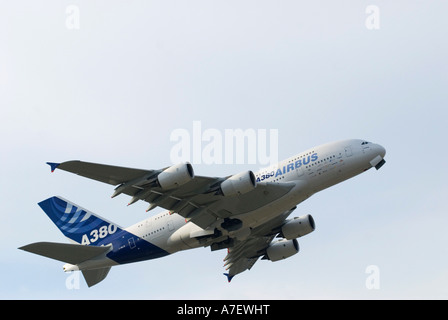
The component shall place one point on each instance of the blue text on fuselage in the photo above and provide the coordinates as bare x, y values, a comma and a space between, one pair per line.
290, 167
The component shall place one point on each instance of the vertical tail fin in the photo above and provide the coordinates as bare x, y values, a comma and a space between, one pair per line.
78, 224
94, 276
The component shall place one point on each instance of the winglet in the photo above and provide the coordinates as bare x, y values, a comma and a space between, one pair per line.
229, 277
53, 165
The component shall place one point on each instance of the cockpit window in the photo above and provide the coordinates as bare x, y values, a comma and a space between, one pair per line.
365, 142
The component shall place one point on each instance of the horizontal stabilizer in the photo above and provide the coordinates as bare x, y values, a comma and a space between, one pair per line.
70, 253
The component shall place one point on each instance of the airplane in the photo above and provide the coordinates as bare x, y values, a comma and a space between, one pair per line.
243, 213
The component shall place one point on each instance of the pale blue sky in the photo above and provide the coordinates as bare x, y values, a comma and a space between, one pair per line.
114, 90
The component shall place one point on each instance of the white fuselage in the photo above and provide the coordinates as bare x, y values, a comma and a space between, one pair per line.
310, 172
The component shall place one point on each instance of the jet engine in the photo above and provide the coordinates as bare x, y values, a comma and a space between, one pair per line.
298, 227
175, 176
239, 184
282, 249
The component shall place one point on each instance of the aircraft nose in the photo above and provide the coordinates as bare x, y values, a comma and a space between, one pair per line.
381, 150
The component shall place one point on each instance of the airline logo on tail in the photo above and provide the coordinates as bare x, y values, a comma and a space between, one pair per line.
76, 223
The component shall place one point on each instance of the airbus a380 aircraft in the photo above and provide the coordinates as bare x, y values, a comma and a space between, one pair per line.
243, 212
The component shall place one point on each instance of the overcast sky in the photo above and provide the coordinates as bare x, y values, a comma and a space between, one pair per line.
109, 82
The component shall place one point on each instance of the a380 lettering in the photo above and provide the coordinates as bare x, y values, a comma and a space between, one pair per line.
97, 234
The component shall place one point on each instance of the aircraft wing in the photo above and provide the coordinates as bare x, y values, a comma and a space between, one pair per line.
198, 200
244, 254
105, 173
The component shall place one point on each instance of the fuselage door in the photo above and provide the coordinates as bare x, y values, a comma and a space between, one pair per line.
170, 225
348, 151
131, 243
299, 171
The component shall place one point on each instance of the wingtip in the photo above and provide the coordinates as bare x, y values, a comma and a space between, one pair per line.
53, 165
229, 277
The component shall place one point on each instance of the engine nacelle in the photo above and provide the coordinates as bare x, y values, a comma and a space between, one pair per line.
298, 227
282, 249
238, 184
175, 176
